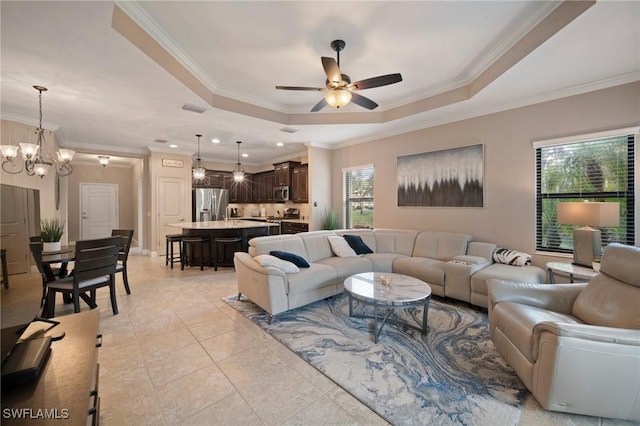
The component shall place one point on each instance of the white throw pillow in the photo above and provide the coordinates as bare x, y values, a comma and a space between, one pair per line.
284, 265
340, 246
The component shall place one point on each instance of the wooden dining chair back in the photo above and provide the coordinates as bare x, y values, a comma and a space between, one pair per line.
126, 236
95, 267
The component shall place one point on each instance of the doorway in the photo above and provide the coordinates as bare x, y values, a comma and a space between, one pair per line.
19, 219
98, 210
171, 208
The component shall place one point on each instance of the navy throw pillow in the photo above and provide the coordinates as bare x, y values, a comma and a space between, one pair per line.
356, 243
299, 261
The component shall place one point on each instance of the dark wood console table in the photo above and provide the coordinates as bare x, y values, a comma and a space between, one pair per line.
66, 392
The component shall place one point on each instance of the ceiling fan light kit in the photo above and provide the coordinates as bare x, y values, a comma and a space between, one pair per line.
340, 90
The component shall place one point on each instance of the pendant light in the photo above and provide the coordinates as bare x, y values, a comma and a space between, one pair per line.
238, 174
35, 162
198, 171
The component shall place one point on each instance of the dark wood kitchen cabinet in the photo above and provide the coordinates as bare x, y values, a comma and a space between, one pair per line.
283, 172
300, 184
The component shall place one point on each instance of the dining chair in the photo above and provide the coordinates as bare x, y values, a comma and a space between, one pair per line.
46, 273
126, 236
95, 267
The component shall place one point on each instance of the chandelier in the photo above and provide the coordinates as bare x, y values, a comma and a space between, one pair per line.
238, 173
199, 172
35, 163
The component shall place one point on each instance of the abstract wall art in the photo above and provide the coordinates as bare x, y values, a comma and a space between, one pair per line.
447, 178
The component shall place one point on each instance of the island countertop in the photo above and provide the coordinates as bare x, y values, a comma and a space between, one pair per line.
221, 224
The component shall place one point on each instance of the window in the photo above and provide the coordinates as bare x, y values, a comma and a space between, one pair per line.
358, 190
600, 169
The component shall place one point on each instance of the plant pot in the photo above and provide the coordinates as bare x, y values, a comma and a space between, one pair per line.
51, 246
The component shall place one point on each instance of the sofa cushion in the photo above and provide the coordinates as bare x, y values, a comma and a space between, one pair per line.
383, 262
367, 236
284, 265
287, 242
299, 261
398, 241
440, 245
340, 246
356, 243
347, 266
428, 270
525, 274
310, 279
608, 302
517, 321
316, 244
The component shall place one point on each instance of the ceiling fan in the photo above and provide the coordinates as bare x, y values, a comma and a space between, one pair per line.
340, 90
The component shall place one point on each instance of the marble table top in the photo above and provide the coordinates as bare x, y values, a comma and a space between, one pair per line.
221, 224
401, 288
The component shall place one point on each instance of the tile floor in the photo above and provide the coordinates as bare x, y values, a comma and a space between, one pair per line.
176, 354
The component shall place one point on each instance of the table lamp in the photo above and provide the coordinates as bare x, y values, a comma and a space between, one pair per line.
587, 242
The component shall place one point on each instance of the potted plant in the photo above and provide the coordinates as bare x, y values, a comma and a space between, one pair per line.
330, 220
51, 231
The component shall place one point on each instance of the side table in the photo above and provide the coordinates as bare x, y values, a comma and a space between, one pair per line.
569, 270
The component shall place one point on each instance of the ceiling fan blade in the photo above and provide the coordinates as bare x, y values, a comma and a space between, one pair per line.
319, 105
315, 89
381, 80
362, 101
332, 70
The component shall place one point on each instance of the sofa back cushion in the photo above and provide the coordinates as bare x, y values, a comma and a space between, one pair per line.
612, 298
398, 241
440, 245
286, 243
477, 248
317, 244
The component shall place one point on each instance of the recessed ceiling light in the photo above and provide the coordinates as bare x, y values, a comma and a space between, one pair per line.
288, 130
245, 155
279, 144
173, 145
215, 140
160, 141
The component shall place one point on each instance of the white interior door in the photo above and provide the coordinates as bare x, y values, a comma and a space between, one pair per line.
13, 228
98, 210
172, 208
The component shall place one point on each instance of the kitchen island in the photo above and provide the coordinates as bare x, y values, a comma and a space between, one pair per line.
243, 229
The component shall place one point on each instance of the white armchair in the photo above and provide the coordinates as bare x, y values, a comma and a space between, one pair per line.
576, 347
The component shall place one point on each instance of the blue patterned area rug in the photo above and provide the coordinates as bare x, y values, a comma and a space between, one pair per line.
451, 375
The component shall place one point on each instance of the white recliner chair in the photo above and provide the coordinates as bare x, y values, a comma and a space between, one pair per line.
576, 347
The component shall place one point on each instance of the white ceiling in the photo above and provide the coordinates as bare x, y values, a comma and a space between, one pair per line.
108, 95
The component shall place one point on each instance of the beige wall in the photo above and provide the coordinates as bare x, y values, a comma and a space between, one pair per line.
508, 215
94, 173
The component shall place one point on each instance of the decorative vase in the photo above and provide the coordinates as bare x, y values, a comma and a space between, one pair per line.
47, 247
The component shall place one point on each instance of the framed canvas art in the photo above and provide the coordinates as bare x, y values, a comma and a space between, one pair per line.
446, 178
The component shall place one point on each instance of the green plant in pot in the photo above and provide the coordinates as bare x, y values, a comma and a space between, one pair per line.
51, 231
330, 220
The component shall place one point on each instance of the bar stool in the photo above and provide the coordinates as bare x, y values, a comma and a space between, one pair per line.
169, 255
224, 242
5, 271
189, 245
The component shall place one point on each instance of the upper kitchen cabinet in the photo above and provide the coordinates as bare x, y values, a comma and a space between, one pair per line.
283, 172
299, 184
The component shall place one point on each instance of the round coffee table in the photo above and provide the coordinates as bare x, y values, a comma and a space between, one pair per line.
402, 292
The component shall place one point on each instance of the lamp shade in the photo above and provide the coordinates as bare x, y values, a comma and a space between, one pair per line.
589, 214
338, 98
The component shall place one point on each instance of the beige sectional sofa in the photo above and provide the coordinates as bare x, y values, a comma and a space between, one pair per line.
451, 263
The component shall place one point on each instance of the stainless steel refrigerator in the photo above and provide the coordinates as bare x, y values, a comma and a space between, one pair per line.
209, 204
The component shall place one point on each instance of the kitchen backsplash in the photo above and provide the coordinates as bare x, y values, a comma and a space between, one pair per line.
275, 209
